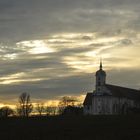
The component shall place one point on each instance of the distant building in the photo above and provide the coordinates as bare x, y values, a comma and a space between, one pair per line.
110, 99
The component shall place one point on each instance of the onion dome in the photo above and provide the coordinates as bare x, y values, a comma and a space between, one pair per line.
101, 71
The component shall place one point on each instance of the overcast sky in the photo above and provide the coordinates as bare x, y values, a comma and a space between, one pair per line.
52, 48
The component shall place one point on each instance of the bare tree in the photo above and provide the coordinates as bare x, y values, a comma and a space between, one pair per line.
25, 106
6, 111
51, 110
65, 102
54, 110
40, 108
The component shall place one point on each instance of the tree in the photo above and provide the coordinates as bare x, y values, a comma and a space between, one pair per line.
40, 108
6, 111
51, 110
25, 106
65, 102
73, 110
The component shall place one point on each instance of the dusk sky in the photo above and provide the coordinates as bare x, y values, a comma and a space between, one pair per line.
52, 48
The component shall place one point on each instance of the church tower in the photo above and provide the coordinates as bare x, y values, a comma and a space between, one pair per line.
100, 80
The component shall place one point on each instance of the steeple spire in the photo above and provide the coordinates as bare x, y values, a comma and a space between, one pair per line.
100, 63
100, 79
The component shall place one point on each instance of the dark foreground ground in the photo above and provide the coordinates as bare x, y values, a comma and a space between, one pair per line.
71, 128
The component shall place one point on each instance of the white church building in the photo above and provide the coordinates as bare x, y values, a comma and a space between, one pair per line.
110, 99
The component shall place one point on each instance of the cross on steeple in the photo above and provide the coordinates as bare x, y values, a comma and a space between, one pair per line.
100, 63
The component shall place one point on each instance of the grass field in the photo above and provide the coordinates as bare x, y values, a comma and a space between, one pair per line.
71, 128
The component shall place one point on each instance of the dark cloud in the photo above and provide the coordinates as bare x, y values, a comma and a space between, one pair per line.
126, 76
29, 19
49, 89
86, 38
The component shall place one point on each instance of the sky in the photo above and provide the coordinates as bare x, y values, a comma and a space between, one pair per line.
52, 48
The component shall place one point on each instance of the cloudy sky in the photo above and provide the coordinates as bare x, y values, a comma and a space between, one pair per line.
52, 48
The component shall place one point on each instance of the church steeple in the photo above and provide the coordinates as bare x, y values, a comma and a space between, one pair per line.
100, 79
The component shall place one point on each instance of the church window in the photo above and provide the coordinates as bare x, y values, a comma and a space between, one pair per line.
99, 83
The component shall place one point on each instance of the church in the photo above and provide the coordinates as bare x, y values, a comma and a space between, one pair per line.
110, 99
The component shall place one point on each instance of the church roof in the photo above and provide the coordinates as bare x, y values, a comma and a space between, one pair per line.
88, 99
128, 93
116, 91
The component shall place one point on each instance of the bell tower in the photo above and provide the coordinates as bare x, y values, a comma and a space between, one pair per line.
100, 80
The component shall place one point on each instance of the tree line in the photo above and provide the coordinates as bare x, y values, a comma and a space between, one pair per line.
67, 106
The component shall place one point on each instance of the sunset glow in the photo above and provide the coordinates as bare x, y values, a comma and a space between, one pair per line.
36, 46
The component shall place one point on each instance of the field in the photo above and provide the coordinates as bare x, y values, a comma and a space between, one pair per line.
71, 128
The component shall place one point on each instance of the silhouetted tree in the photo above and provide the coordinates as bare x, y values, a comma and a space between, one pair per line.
25, 106
40, 108
73, 110
50, 110
65, 102
6, 111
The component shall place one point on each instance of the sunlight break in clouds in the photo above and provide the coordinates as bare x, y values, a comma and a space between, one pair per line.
36, 46
17, 78
91, 47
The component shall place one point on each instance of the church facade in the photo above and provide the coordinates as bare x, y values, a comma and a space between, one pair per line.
110, 99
